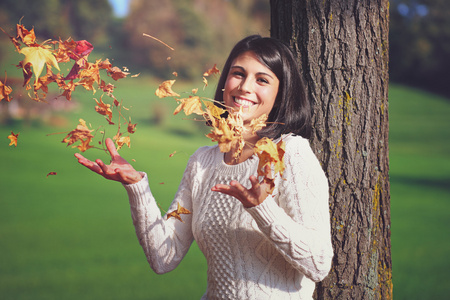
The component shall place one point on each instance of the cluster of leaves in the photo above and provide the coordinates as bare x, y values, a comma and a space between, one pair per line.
227, 129
83, 73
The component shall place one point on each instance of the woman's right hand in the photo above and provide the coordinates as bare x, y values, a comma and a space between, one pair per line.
119, 169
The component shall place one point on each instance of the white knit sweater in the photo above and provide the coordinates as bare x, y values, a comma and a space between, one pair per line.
276, 250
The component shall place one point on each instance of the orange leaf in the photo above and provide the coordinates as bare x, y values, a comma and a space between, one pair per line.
258, 123
104, 109
131, 127
176, 213
191, 105
213, 70
123, 140
5, 91
117, 73
13, 137
165, 89
27, 37
80, 133
51, 173
270, 153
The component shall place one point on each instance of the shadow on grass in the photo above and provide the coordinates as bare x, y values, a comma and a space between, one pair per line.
441, 183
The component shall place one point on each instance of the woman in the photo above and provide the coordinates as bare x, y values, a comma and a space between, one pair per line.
257, 245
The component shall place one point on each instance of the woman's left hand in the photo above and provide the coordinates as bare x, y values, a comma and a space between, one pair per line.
248, 197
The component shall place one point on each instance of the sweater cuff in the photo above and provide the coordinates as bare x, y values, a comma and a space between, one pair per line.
138, 191
264, 213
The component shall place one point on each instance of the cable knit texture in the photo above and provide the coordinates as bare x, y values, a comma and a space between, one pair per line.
275, 250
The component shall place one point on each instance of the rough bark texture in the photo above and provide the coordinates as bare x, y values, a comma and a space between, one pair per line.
342, 48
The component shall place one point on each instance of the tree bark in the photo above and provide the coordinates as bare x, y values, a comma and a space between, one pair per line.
342, 49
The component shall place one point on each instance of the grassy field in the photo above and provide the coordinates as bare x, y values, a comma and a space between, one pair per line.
70, 236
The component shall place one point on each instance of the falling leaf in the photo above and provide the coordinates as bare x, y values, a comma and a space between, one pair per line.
258, 123
175, 74
82, 49
131, 128
270, 153
214, 110
205, 81
123, 140
104, 109
172, 154
5, 91
13, 138
117, 73
135, 75
165, 89
51, 173
38, 57
27, 37
80, 133
176, 213
213, 70
190, 105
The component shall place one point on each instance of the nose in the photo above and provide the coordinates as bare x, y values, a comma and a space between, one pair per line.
245, 85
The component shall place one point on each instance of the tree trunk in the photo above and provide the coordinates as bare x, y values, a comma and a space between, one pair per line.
342, 48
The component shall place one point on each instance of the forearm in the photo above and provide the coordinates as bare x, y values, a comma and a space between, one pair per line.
164, 242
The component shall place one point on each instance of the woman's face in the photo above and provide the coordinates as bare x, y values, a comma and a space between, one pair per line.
250, 87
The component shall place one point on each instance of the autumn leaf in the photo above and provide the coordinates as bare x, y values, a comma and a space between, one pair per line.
191, 105
131, 128
270, 153
122, 140
5, 91
51, 173
83, 48
258, 123
80, 133
176, 213
117, 73
38, 57
223, 135
213, 70
104, 109
213, 110
165, 89
13, 138
27, 37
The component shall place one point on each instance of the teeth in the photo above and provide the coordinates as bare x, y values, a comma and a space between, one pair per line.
243, 102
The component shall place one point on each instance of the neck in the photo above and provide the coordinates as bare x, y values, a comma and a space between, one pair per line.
247, 152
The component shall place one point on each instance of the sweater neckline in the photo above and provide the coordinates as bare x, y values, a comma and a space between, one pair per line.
233, 169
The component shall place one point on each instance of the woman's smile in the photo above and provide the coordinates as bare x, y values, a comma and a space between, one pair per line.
251, 87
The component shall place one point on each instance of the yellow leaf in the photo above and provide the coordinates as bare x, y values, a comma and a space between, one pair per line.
176, 213
38, 57
13, 138
190, 105
165, 89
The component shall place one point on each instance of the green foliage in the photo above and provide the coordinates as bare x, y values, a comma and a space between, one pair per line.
419, 44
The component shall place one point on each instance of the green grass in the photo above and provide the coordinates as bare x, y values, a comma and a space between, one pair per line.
420, 193
70, 236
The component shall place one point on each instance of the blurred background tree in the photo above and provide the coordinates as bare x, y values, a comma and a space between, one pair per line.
203, 31
420, 44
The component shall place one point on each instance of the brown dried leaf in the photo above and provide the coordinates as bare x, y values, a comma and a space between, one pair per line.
165, 89
80, 133
176, 213
5, 91
191, 105
213, 70
13, 138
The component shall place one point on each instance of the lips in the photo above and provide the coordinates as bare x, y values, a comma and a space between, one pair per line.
241, 102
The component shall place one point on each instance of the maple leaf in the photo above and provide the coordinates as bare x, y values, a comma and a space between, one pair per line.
38, 57
270, 153
104, 109
68, 89
80, 133
122, 140
213, 70
258, 123
82, 49
13, 138
165, 89
117, 73
27, 37
213, 110
131, 128
5, 91
223, 135
190, 105
176, 213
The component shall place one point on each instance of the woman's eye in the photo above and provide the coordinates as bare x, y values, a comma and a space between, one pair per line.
263, 80
240, 74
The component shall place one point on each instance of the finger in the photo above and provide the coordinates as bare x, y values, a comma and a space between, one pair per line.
87, 163
104, 168
111, 147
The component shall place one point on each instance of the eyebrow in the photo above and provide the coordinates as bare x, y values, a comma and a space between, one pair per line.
243, 69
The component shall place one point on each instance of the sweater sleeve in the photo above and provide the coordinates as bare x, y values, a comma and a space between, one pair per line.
165, 241
299, 226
